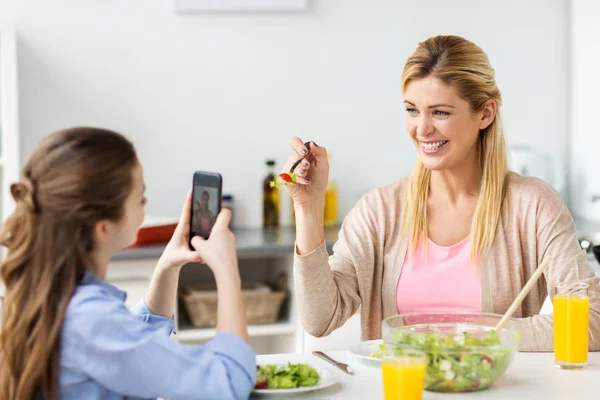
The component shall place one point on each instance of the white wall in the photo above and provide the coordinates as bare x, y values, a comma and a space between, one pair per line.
225, 92
585, 165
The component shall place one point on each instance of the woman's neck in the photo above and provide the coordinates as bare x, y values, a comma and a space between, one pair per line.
452, 185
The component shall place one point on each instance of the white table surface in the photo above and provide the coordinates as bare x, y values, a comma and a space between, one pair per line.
530, 376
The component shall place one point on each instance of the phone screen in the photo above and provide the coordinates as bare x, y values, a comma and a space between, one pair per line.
206, 203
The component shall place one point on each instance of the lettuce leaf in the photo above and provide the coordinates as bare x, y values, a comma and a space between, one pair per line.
288, 376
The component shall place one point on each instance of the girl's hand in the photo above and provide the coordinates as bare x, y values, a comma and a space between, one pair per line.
177, 253
219, 251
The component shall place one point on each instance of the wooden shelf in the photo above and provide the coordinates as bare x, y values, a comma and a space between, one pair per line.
188, 333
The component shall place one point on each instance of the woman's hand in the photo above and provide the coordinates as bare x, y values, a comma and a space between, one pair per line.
312, 173
177, 253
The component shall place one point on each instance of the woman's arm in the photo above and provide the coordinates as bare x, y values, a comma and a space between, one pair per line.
327, 287
556, 238
310, 231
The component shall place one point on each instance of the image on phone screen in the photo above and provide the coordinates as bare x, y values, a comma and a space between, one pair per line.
205, 207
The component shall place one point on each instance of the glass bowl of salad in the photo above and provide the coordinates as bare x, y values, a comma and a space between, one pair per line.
463, 351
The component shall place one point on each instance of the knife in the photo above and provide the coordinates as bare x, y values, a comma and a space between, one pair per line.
344, 367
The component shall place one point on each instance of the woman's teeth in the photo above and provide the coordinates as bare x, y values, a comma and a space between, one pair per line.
433, 145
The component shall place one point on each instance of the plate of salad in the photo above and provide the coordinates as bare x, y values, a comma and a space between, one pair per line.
369, 351
285, 379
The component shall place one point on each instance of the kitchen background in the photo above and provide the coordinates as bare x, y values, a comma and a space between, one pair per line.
225, 91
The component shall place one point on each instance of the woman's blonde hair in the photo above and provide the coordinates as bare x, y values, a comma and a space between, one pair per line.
463, 65
73, 179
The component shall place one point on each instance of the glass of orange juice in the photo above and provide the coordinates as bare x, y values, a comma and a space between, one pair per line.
571, 321
403, 375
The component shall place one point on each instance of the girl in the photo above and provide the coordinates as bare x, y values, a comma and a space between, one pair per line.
66, 332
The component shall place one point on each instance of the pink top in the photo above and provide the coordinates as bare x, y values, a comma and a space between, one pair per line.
205, 224
439, 278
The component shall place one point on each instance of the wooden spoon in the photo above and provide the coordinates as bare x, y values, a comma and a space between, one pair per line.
515, 304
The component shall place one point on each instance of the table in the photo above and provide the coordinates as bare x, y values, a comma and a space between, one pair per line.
530, 376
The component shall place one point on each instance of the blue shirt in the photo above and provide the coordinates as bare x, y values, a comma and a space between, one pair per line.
110, 352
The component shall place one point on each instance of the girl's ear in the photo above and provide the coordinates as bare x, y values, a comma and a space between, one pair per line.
102, 230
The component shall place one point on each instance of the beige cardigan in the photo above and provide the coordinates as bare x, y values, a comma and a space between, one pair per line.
367, 258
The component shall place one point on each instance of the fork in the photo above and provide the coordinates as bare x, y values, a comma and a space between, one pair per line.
343, 366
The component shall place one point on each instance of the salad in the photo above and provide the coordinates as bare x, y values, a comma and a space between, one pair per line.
289, 178
285, 178
288, 376
454, 362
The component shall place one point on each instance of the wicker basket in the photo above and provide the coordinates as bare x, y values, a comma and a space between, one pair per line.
262, 304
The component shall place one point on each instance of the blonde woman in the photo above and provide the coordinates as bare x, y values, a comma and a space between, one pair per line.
203, 217
460, 233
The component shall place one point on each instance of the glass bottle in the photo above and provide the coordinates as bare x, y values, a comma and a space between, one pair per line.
270, 198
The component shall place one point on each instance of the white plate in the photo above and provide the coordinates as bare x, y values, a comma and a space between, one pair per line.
364, 350
326, 380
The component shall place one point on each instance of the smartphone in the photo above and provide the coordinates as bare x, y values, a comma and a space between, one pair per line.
206, 203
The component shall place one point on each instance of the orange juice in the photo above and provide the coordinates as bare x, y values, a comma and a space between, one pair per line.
403, 379
330, 216
571, 320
